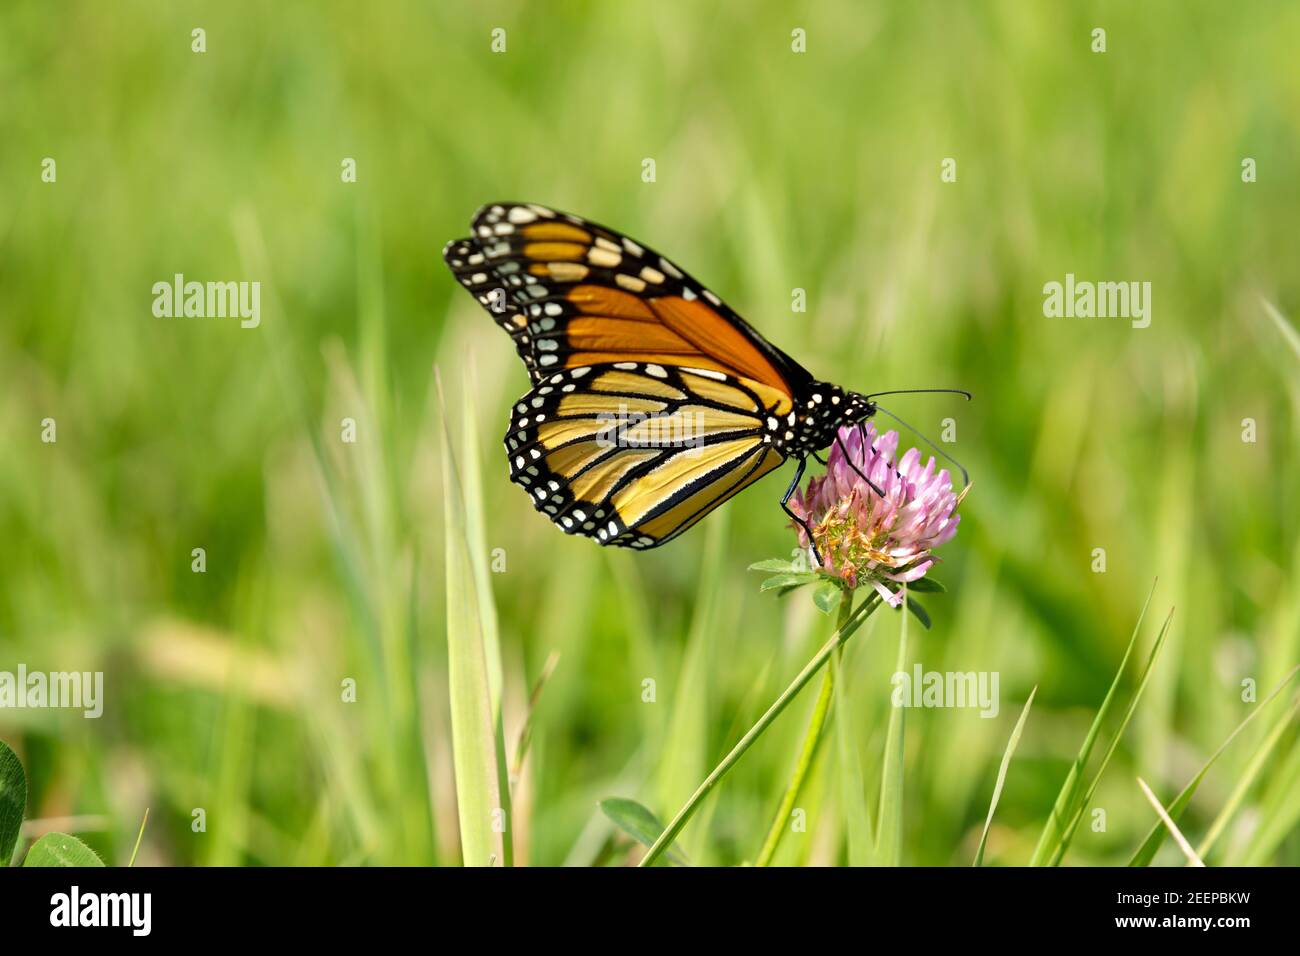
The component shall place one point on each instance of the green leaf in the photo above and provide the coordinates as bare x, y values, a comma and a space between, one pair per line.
473, 728
827, 597
787, 581
927, 584
638, 823
13, 801
59, 849
918, 611
778, 566
1012, 743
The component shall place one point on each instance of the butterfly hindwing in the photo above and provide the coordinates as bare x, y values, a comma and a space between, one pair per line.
632, 454
576, 293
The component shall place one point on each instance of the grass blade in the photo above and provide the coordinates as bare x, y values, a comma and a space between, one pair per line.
1181, 840
1287, 330
1054, 829
526, 731
139, 837
1247, 780
889, 836
474, 741
476, 540
859, 829
1151, 845
686, 746
1012, 743
853, 788
476, 537
683, 816
807, 753
1064, 846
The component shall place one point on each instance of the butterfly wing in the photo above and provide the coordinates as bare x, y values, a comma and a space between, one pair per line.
577, 294
633, 454
467, 260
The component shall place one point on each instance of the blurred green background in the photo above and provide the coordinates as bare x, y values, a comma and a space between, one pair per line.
775, 171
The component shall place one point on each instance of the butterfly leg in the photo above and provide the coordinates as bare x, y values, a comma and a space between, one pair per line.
798, 474
849, 458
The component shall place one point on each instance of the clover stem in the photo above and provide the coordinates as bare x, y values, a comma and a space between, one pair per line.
841, 635
811, 742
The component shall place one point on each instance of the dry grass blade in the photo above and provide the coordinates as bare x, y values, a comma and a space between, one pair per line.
1192, 858
474, 741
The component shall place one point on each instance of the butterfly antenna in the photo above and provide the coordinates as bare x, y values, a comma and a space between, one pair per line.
965, 475
920, 391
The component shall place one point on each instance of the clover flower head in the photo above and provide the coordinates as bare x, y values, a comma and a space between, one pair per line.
864, 538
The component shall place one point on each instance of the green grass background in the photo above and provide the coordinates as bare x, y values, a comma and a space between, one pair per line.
775, 170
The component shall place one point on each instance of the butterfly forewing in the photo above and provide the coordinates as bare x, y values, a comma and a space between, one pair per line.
632, 454
468, 263
583, 294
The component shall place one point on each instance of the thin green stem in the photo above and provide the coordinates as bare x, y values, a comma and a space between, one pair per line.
138, 837
684, 815
811, 741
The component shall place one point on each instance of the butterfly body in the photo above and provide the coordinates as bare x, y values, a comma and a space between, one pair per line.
817, 415
652, 401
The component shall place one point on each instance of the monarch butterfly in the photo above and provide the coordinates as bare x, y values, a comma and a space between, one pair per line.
627, 353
